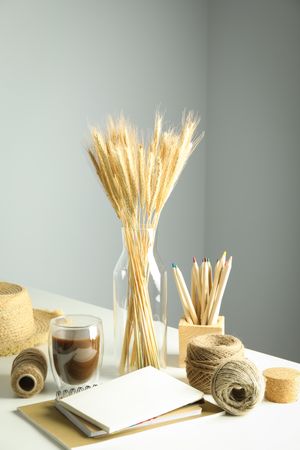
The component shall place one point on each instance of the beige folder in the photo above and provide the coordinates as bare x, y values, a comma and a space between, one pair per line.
46, 417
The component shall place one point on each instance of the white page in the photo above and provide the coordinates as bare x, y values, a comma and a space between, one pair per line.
131, 399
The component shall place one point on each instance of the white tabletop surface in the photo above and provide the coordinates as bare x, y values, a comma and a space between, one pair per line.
268, 426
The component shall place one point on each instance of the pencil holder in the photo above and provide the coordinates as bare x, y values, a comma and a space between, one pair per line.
187, 332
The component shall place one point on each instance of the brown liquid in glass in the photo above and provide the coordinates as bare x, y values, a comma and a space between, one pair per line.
75, 360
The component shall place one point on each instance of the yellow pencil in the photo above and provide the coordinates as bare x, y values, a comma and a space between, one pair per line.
182, 298
210, 280
187, 297
217, 274
223, 259
194, 283
207, 294
218, 271
199, 311
220, 292
206, 275
197, 288
203, 289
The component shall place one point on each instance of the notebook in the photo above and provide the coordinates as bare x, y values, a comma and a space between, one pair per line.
48, 419
91, 430
131, 399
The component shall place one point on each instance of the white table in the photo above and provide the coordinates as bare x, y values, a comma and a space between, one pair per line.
269, 426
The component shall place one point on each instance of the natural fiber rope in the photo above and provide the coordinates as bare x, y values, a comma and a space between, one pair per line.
28, 372
237, 386
205, 354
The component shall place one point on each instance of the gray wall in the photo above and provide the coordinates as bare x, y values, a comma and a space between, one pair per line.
67, 64
253, 162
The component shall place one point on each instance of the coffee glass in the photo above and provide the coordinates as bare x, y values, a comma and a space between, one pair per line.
75, 350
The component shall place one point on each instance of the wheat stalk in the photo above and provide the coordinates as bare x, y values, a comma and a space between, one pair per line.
138, 180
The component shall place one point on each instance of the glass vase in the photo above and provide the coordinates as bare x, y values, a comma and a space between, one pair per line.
140, 302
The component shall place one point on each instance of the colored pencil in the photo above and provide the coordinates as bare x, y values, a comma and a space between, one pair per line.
220, 292
187, 297
182, 298
203, 305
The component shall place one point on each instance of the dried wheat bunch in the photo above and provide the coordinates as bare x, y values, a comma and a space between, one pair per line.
138, 180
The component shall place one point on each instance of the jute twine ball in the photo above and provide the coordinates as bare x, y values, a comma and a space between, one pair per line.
282, 384
28, 372
237, 386
205, 353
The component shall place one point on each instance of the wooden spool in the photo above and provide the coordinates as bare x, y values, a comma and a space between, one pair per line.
282, 384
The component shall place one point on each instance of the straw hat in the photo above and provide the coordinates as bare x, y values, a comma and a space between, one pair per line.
21, 326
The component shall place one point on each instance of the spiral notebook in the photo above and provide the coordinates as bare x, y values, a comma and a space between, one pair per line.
131, 399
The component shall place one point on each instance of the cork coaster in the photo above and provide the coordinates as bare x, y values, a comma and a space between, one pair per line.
282, 384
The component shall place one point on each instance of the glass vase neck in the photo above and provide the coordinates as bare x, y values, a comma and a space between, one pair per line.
138, 234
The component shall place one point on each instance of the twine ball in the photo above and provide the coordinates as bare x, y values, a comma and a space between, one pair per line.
237, 386
205, 353
282, 384
28, 373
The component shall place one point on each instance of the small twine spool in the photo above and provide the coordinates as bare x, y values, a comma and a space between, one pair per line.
205, 353
237, 386
282, 384
28, 372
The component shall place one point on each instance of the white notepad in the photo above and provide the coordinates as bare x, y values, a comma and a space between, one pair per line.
131, 399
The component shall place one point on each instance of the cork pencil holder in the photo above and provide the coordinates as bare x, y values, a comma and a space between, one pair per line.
187, 332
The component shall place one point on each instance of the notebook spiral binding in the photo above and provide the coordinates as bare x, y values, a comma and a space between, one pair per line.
67, 392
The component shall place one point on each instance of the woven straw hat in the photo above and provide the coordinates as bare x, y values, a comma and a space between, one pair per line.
21, 326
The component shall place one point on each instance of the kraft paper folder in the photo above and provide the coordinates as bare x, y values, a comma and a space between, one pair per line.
47, 418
